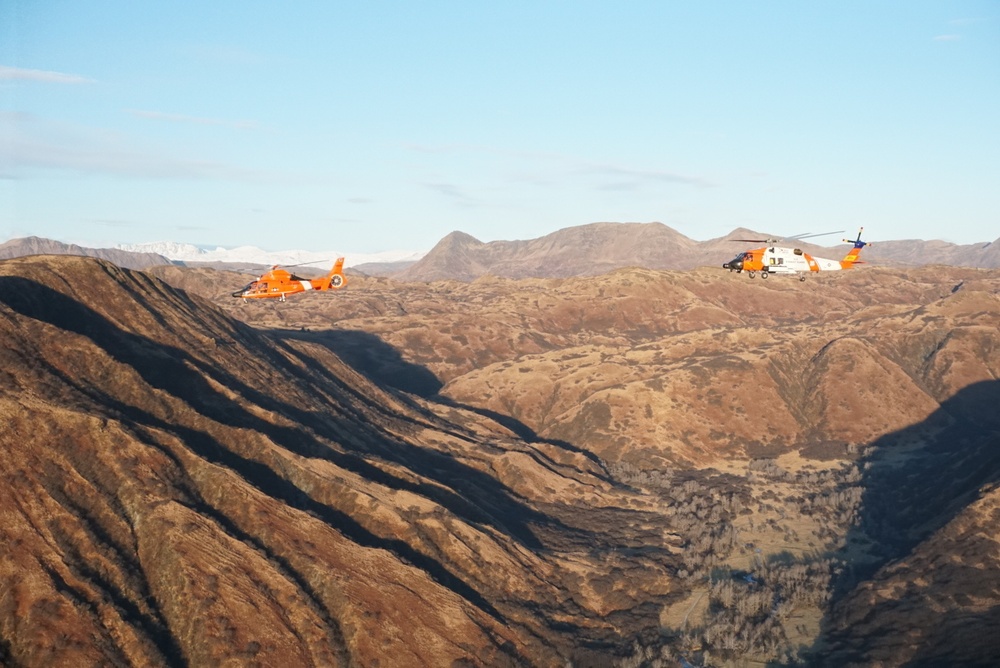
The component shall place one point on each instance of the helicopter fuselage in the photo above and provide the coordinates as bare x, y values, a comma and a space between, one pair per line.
279, 282
780, 260
785, 260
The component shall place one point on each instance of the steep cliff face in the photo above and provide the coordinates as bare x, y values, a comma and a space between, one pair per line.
179, 488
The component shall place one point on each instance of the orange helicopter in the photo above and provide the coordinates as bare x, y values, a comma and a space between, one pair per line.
280, 282
781, 260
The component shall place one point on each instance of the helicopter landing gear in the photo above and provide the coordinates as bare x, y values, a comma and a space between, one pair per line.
802, 279
764, 273
751, 273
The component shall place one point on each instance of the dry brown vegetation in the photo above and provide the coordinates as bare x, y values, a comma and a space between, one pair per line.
635, 468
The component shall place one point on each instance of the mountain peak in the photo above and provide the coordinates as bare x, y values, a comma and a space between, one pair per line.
459, 237
582, 250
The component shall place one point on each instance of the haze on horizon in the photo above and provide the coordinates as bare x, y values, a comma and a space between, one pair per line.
387, 125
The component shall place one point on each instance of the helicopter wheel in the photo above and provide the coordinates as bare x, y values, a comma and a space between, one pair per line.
802, 278
764, 274
752, 273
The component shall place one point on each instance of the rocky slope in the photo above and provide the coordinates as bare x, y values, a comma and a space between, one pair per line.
845, 423
181, 489
633, 469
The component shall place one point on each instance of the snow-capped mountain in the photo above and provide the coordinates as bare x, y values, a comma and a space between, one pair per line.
253, 255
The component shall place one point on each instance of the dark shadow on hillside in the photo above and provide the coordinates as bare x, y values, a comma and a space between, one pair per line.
468, 493
372, 357
914, 482
526, 433
383, 364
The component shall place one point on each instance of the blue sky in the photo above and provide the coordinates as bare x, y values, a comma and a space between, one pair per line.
386, 125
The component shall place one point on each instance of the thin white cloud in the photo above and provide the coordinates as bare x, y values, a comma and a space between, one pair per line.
113, 222
8, 73
27, 156
947, 38
474, 149
32, 145
625, 178
452, 192
968, 21
611, 177
195, 120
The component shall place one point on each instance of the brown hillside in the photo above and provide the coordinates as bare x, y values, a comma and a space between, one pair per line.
628, 469
179, 488
936, 600
752, 364
798, 404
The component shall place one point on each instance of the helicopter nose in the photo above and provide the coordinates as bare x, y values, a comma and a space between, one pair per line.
736, 265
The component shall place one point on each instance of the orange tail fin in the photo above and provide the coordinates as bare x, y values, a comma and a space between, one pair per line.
852, 255
336, 275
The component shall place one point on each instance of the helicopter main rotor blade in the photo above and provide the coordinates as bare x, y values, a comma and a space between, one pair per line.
300, 264
809, 236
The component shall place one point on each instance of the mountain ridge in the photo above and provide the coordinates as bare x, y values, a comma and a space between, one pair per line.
40, 246
583, 250
588, 250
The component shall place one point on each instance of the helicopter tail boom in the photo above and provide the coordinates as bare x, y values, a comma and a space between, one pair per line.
334, 280
852, 255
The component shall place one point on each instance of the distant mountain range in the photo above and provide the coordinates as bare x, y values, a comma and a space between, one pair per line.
584, 250
590, 250
188, 253
40, 246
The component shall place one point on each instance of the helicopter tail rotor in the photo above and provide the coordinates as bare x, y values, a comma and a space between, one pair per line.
852, 255
858, 243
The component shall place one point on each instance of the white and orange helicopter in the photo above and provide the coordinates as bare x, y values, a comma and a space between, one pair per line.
772, 259
278, 282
